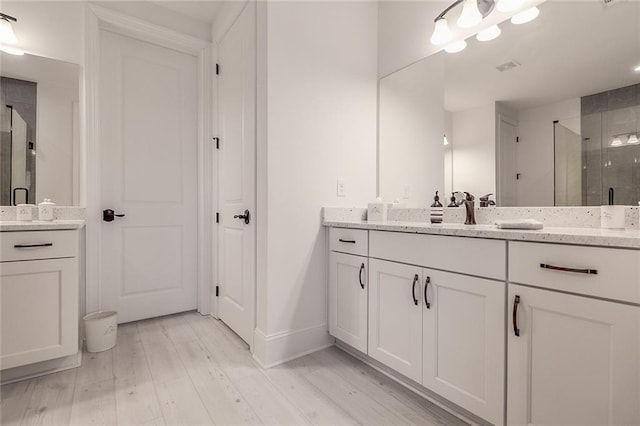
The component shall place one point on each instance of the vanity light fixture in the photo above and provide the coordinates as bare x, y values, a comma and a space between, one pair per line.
6, 30
616, 141
11, 50
525, 16
441, 32
490, 33
507, 6
470, 16
455, 47
633, 139
637, 68
446, 142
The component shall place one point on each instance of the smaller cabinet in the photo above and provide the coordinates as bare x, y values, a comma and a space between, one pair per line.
348, 290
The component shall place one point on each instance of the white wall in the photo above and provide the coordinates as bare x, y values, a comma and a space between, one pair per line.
474, 150
411, 127
534, 153
320, 78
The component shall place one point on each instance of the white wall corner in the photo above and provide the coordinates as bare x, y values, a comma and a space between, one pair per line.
275, 349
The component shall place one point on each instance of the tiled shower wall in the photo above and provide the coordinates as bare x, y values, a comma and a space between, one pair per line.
603, 116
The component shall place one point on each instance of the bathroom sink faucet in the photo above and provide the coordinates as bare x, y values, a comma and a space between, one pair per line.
486, 202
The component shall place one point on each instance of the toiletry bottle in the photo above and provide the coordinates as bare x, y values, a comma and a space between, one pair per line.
377, 212
45, 210
436, 210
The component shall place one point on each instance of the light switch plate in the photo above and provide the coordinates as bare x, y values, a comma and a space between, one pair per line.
341, 188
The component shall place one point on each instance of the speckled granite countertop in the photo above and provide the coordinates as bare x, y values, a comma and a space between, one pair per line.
36, 225
561, 235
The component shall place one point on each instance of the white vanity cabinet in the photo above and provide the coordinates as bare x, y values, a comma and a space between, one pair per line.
395, 316
348, 290
38, 296
573, 359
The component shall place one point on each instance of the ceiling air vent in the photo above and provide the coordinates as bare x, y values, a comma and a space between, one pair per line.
508, 66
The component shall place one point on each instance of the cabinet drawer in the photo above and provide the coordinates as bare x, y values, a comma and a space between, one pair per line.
485, 258
354, 241
32, 245
603, 272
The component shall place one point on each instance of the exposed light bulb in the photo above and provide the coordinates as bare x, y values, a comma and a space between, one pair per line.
633, 139
6, 32
506, 6
490, 33
441, 32
455, 47
11, 50
616, 141
446, 142
470, 16
525, 16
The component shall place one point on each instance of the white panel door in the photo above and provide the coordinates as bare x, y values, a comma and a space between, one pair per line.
39, 310
507, 191
236, 174
348, 289
395, 316
576, 360
464, 342
148, 143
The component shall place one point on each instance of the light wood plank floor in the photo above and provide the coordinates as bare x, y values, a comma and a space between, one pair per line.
188, 369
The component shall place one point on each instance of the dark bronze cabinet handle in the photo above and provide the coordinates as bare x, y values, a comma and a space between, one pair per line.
360, 276
347, 241
413, 289
426, 286
563, 269
516, 302
33, 245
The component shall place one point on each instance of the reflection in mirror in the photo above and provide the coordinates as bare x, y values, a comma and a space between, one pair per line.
546, 114
40, 127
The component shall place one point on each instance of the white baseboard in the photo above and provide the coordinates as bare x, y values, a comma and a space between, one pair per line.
275, 349
30, 371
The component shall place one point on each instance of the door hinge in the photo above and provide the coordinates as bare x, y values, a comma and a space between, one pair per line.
217, 291
517, 139
217, 69
217, 217
518, 176
217, 141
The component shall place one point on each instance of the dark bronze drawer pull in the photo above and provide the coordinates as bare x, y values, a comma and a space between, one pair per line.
560, 268
19, 246
347, 241
413, 289
516, 302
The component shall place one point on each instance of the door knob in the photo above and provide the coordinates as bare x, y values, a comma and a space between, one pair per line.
246, 216
109, 215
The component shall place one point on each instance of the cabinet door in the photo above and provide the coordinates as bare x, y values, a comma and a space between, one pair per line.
39, 301
464, 342
395, 316
575, 361
348, 289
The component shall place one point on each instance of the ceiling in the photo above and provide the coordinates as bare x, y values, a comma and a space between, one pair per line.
203, 10
572, 49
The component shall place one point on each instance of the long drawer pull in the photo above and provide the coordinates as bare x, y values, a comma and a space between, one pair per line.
19, 246
413, 289
360, 276
516, 302
347, 241
426, 286
561, 268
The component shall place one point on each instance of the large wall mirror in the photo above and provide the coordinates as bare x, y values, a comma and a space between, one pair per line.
546, 114
40, 130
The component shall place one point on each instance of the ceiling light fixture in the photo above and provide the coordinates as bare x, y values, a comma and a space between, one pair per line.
507, 6
455, 47
525, 16
490, 33
6, 31
473, 11
470, 16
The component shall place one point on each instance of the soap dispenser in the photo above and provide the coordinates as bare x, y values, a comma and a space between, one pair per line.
45, 210
436, 210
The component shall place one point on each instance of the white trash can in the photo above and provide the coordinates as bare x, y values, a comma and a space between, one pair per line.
101, 330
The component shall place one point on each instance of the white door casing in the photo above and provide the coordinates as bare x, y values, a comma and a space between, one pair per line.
236, 174
149, 132
506, 190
